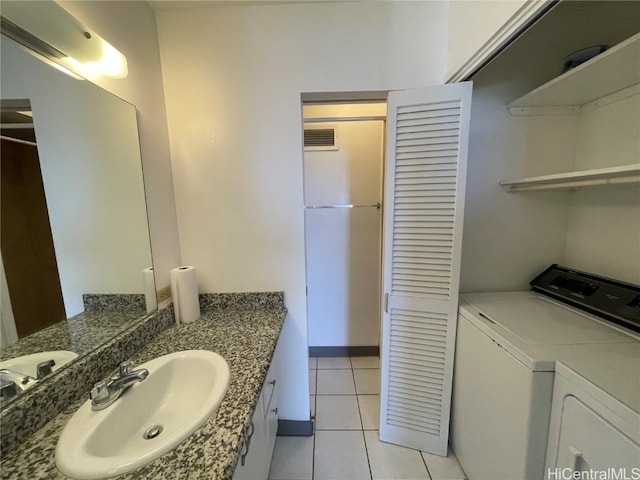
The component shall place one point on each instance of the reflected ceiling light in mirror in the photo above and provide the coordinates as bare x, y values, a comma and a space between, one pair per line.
111, 64
47, 29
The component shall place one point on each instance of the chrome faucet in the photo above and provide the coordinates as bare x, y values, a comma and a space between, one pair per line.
20, 380
105, 393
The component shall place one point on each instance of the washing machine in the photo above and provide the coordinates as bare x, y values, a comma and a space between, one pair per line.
508, 348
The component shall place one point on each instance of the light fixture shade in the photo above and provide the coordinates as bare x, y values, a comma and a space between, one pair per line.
49, 30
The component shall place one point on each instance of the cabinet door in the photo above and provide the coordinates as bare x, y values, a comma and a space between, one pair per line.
427, 140
251, 464
271, 420
257, 452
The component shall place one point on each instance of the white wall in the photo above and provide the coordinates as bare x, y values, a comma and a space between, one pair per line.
509, 238
233, 78
130, 27
472, 23
603, 234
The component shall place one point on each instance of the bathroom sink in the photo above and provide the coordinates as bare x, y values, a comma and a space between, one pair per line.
27, 364
181, 392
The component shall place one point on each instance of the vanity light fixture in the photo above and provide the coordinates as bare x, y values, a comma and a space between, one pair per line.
54, 35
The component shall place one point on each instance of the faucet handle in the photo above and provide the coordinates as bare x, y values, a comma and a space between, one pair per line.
8, 389
100, 391
126, 367
44, 368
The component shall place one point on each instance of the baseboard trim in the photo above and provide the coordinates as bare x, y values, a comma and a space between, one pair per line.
295, 428
367, 351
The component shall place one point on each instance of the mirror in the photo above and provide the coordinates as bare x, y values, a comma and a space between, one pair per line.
75, 245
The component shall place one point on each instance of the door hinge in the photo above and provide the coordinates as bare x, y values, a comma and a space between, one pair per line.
386, 303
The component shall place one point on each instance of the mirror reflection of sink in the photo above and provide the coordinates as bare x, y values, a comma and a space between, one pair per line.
181, 392
27, 364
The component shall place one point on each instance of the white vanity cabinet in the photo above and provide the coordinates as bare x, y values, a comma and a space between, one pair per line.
260, 437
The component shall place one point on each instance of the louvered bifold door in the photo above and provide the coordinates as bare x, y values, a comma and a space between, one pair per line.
427, 137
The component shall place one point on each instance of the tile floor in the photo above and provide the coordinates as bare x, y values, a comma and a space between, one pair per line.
345, 401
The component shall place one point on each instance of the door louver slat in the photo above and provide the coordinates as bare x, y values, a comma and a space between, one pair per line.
428, 218
408, 368
427, 137
425, 395
412, 397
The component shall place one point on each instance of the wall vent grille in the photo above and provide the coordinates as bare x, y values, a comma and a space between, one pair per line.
320, 139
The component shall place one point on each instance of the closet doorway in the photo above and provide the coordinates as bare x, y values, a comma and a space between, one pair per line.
343, 187
31, 284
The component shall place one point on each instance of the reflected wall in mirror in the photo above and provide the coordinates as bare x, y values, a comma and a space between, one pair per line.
73, 211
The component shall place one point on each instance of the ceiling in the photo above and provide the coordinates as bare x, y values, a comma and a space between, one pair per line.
160, 5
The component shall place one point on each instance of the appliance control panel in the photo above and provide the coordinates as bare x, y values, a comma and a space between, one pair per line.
610, 299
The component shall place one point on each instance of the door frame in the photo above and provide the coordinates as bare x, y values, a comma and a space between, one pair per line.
347, 98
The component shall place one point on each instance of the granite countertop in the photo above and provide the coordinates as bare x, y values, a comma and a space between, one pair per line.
80, 333
245, 337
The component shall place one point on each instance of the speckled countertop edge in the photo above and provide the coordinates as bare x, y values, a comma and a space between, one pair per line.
81, 333
246, 336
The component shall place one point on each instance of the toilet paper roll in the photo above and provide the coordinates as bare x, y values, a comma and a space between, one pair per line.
150, 297
184, 289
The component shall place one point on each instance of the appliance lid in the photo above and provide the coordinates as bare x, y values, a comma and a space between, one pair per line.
536, 320
615, 301
537, 330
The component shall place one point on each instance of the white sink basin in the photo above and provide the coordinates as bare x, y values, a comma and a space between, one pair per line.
182, 391
27, 364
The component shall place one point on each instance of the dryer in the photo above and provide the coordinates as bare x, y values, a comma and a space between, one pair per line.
507, 350
591, 430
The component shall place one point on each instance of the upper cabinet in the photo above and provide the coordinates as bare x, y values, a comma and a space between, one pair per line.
612, 76
600, 98
614, 72
473, 42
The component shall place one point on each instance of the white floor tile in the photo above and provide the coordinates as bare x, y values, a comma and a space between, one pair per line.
313, 363
292, 459
312, 382
328, 363
370, 411
340, 456
337, 412
392, 461
335, 382
367, 381
312, 403
365, 362
444, 468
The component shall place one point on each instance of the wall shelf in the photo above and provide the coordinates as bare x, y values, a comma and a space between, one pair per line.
612, 71
626, 174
